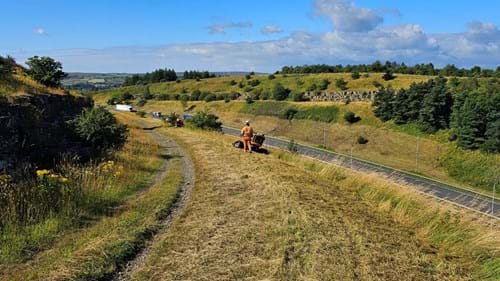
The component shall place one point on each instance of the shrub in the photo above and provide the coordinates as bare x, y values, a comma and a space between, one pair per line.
147, 94
290, 113
298, 96
184, 98
99, 128
388, 75
366, 75
362, 140
323, 84
141, 113
271, 77
232, 83
141, 102
355, 75
341, 84
265, 95
312, 87
205, 121
254, 83
162, 96
280, 92
248, 76
377, 84
195, 95
175, 96
234, 95
6, 66
249, 100
210, 97
351, 117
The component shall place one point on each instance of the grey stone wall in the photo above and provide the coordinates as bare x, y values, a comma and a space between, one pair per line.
340, 96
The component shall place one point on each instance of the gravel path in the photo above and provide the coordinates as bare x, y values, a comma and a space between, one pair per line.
172, 149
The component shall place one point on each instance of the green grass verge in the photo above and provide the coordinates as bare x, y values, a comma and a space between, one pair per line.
97, 252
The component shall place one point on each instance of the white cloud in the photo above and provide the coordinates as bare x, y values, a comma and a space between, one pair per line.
40, 31
269, 29
478, 44
347, 17
219, 28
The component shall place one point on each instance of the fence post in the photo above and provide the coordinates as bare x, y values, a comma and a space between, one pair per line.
493, 199
352, 145
324, 138
417, 152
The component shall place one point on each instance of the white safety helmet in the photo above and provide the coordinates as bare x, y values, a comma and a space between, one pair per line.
247, 122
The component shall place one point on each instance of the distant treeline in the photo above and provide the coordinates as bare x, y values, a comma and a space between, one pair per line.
194, 74
470, 109
377, 66
159, 75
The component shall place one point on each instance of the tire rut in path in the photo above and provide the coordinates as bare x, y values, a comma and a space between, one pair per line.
184, 191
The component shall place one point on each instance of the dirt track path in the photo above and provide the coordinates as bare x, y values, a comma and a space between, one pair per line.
172, 149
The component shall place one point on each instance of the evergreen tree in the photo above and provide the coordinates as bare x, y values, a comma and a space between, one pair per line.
383, 103
435, 110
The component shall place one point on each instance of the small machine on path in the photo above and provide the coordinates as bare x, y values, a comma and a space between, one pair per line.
257, 142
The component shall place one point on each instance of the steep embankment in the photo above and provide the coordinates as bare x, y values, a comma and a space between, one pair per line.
33, 122
280, 217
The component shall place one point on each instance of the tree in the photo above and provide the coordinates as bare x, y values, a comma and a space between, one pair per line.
280, 92
46, 71
435, 110
383, 104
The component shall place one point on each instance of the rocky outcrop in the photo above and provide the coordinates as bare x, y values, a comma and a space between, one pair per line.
34, 129
340, 96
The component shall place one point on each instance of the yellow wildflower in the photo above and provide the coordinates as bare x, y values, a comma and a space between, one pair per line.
4, 179
63, 180
42, 173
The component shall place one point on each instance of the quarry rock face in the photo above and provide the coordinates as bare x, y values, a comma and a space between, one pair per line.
340, 96
34, 129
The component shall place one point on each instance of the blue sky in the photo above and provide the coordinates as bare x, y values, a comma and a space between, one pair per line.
261, 35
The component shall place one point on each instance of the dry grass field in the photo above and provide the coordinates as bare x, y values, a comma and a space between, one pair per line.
281, 217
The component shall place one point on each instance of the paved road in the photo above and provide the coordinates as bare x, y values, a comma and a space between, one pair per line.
441, 191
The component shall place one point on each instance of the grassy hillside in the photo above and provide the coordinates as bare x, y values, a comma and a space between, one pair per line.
296, 83
388, 144
20, 83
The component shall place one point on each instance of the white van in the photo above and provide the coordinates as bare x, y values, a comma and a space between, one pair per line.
124, 107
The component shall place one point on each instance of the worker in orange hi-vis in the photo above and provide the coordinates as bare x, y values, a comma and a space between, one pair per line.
247, 134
